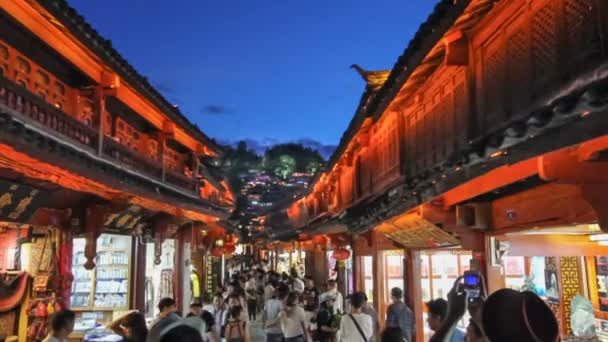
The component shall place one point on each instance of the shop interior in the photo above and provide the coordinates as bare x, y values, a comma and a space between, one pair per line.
559, 264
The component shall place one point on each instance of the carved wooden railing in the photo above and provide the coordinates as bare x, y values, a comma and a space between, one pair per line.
32, 106
130, 158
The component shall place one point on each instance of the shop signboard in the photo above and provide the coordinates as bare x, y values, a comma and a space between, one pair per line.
18, 202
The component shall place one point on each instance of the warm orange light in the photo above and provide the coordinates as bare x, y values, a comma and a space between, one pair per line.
498, 154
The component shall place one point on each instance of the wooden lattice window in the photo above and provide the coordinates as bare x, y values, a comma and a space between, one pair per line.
582, 30
518, 70
544, 44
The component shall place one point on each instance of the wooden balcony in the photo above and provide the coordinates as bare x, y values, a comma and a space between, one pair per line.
35, 111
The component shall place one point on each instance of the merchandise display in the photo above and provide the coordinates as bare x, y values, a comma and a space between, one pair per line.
107, 286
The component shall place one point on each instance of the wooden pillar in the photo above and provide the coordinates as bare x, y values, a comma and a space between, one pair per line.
138, 281
355, 262
414, 290
276, 258
162, 146
100, 110
378, 271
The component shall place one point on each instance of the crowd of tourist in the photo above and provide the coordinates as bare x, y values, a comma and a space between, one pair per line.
291, 308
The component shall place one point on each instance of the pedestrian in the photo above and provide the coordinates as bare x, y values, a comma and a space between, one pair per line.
400, 315
270, 316
332, 291
166, 317
369, 310
196, 309
220, 314
252, 298
326, 330
293, 320
131, 327
310, 296
437, 311
356, 326
236, 329
62, 325
211, 333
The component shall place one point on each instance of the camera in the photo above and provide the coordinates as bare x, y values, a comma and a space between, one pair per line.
471, 286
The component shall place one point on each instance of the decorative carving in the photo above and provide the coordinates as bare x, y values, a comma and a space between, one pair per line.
569, 276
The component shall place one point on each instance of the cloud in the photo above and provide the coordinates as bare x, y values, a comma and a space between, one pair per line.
216, 110
261, 145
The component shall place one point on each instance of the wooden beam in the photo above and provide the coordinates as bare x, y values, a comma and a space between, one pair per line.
456, 49
497, 178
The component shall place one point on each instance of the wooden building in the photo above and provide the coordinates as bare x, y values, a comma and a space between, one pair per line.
487, 138
89, 147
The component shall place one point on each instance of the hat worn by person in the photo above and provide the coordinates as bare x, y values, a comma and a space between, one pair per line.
510, 315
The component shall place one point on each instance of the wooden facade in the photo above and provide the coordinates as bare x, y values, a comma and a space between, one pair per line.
492, 121
88, 146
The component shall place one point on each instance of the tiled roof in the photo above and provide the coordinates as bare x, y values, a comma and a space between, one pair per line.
102, 47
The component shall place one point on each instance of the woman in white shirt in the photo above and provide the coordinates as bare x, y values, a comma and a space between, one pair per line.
293, 320
356, 326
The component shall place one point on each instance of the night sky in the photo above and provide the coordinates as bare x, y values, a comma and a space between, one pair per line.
266, 70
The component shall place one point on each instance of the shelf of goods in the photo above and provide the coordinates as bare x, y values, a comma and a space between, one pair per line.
104, 288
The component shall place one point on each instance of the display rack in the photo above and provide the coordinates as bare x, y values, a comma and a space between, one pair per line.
107, 287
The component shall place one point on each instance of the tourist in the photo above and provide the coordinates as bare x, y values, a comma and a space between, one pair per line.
269, 289
220, 314
62, 325
166, 317
356, 326
297, 283
252, 297
131, 327
369, 310
310, 296
183, 333
211, 334
393, 334
400, 315
332, 291
196, 309
293, 320
437, 311
208, 304
270, 316
326, 330
510, 315
235, 300
236, 329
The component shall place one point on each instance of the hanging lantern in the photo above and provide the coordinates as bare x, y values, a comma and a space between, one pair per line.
229, 249
219, 243
320, 240
217, 252
341, 254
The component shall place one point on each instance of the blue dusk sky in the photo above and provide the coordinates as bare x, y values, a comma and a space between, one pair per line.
264, 70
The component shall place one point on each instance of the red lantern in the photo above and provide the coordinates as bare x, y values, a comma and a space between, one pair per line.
320, 240
229, 249
341, 254
217, 252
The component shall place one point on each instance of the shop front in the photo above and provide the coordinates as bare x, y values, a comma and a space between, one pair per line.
102, 294
559, 264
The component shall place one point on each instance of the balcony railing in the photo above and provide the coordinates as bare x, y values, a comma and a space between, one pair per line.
32, 106
36, 109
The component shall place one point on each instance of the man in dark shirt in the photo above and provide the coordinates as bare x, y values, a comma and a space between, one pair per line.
310, 296
400, 315
166, 317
